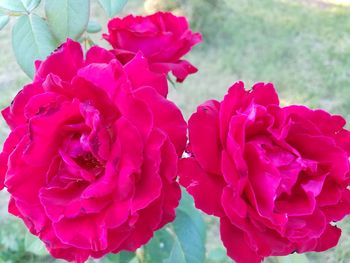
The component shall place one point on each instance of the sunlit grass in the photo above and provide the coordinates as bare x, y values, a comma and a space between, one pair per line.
338, 2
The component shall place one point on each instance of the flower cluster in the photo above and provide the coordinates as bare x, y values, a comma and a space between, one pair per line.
95, 148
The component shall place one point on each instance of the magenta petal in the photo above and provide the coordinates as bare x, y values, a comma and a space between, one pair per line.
67, 202
264, 179
328, 153
168, 165
141, 76
64, 62
107, 77
235, 242
131, 157
97, 54
9, 146
171, 198
163, 111
89, 232
265, 94
149, 184
180, 69
35, 221
137, 111
233, 203
88, 93
16, 179
300, 228
340, 210
297, 204
235, 146
328, 239
148, 221
117, 214
14, 114
206, 146
33, 215
12, 208
59, 250
46, 133
233, 100
198, 184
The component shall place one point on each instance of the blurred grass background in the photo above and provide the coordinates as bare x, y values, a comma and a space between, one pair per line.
302, 46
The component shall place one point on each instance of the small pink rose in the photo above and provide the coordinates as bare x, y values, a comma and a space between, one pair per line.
163, 38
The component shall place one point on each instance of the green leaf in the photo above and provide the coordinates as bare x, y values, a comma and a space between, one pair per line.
183, 241
19, 5
189, 228
177, 254
67, 18
4, 19
160, 246
34, 245
93, 27
194, 216
190, 238
113, 7
122, 257
31, 40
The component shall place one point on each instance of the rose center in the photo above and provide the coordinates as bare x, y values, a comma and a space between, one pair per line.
88, 161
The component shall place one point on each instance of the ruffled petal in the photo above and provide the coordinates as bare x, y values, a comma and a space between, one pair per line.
199, 184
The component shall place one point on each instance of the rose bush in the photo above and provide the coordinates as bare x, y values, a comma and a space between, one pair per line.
162, 37
277, 176
91, 159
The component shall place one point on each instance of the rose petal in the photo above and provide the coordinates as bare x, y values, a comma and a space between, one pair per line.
235, 242
164, 110
140, 75
64, 62
206, 145
198, 184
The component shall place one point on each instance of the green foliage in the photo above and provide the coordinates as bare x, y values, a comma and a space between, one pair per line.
123, 257
4, 19
31, 40
190, 230
25, 6
182, 241
67, 18
93, 27
34, 245
113, 7
35, 36
177, 254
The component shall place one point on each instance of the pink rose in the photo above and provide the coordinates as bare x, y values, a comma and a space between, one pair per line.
91, 160
277, 176
162, 37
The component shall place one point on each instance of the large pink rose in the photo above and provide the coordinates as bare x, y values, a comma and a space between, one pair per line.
91, 160
277, 176
162, 37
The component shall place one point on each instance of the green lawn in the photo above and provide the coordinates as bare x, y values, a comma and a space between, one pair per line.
303, 46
